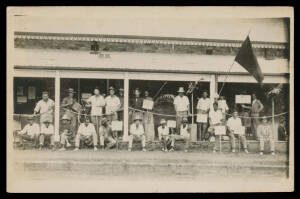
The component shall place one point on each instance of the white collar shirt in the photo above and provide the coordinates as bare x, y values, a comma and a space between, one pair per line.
136, 130
86, 130
31, 130
97, 105
47, 131
215, 116
112, 104
181, 103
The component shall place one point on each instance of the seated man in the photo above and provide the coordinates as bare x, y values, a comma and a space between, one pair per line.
66, 134
216, 118
185, 134
265, 134
30, 132
164, 135
137, 133
47, 132
106, 135
234, 125
86, 133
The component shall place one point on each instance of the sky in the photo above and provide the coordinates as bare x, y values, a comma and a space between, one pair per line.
196, 22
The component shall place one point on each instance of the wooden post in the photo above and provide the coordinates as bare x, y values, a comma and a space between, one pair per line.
192, 107
125, 112
57, 100
273, 119
78, 100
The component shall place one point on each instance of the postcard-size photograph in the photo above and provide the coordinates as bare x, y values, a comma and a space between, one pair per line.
150, 99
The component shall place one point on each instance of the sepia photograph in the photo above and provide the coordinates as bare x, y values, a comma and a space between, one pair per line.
150, 99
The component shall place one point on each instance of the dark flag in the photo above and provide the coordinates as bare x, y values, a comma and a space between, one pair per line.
247, 59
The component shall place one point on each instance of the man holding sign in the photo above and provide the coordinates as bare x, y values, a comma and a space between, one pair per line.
216, 121
234, 125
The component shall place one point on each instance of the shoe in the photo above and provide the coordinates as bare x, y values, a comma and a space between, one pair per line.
214, 151
185, 150
95, 149
233, 151
246, 151
62, 149
129, 149
76, 149
163, 149
40, 148
68, 145
144, 150
273, 153
171, 150
261, 153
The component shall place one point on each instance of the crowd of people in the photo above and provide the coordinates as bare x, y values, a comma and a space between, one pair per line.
96, 128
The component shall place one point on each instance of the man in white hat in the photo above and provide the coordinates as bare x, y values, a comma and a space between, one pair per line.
234, 125
185, 135
137, 133
182, 107
47, 133
164, 134
45, 107
112, 105
86, 133
203, 107
265, 134
106, 135
30, 132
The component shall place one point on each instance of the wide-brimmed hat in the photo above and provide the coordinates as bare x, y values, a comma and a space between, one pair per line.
104, 120
111, 88
184, 120
47, 121
180, 90
137, 117
66, 117
45, 92
235, 111
70, 90
163, 121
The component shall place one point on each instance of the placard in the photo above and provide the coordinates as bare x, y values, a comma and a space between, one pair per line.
171, 123
220, 130
21, 99
202, 118
239, 131
20, 90
243, 99
31, 92
117, 125
148, 104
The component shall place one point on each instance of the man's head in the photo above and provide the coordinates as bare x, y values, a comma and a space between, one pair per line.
86, 121
121, 91
137, 119
111, 91
137, 92
216, 96
180, 91
253, 96
163, 123
264, 120
71, 92
47, 123
65, 119
235, 113
222, 97
146, 93
105, 121
97, 91
45, 95
184, 121
215, 105
204, 94
30, 120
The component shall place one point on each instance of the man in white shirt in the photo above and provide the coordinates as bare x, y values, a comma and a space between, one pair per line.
216, 118
47, 133
113, 104
106, 135
222, 104
203, 107
86, 133
265, 134
137, 133
185, 135
234, 125
182, 107
164, 135
45, 107
96, 102
30, 132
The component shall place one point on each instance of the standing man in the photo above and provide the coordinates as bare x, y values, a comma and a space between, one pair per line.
137, 133
71, 107
113, 104
86, 133
256, 108
47, 132
106, 135
164, 135
203, 106
182, 107
216, 118
222, 105
185, 135
30, 132
96, 102
45, 107
234, 125
137, 103
265, 134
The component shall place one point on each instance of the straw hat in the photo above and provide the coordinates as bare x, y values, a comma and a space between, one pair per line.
163, 121
70, 90
184, 120
45, 92
137, 117
111, 88
180, 90
65, 117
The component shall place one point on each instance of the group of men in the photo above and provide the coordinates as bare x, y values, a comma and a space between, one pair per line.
97, 129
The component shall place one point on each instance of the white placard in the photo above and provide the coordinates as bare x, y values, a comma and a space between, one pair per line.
243, 99
220, 130
21, 99
171, 123
239, 131
31, 92
117, 125
148, 104
202, 118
